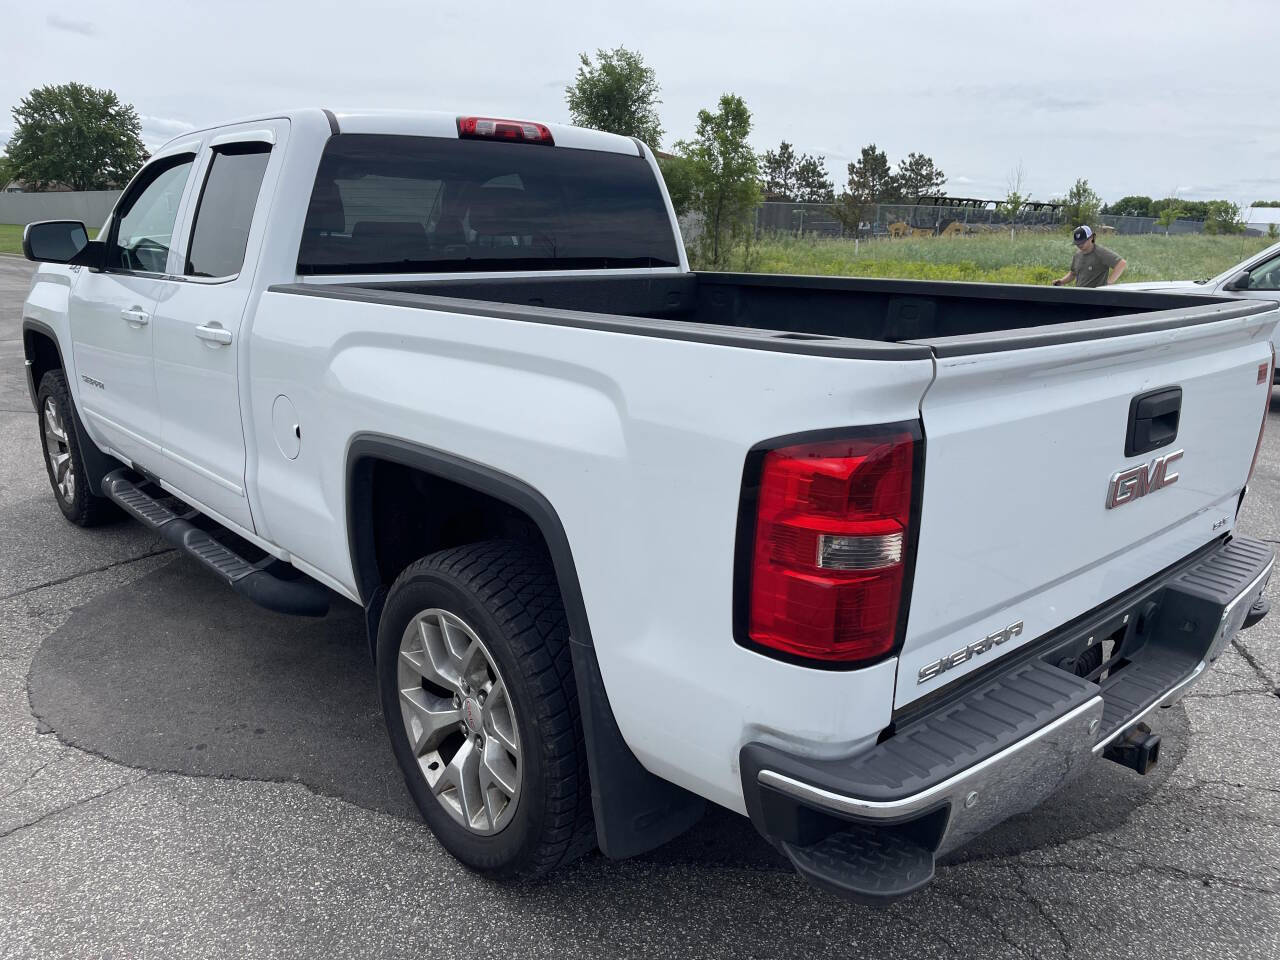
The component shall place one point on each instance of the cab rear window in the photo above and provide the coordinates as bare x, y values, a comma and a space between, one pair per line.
396, 204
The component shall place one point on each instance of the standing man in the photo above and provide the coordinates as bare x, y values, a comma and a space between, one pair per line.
1092, 265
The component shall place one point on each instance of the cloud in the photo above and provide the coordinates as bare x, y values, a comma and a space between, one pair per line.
82, 27
1055, 104
157, 131
165, 125
962, 180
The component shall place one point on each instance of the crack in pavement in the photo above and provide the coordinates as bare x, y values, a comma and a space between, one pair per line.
69, 806
84, 573
972, 906
1041, 909
27, 779
1252, 661
1204, 878
1255, 692
1198, 784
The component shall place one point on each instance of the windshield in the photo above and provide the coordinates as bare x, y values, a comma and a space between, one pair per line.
395, 204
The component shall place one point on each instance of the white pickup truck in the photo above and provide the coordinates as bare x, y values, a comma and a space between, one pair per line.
875, 563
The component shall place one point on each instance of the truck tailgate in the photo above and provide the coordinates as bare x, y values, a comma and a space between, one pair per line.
1022, 445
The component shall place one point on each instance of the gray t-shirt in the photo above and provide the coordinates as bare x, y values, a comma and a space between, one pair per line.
1091, 269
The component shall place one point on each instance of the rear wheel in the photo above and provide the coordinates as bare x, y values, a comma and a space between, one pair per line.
63, 457
480, 704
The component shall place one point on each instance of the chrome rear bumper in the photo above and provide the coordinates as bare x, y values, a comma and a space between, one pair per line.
1001, 748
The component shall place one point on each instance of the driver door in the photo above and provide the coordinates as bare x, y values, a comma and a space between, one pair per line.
110, 312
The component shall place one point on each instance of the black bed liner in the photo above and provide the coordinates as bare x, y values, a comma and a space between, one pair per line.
823, 316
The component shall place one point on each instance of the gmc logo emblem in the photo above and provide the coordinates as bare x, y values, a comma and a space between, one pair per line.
1136, 482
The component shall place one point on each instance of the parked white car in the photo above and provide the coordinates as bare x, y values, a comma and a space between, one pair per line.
876, 563
1257, 278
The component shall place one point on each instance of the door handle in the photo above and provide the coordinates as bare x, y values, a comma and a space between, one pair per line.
213, 334
135, 316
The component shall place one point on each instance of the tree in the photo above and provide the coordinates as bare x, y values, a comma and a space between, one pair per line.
871, 181
76, 135
1223, 216
1169, 212
871, 177
6, 171
678, 174
1081, 204
793, 178
918, 177
1266, 203
779, 173
1134, 206
724, 175
1014, 198
617, 93
1189, 209
813, 183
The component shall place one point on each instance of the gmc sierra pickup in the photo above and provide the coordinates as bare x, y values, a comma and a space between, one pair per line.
877, 564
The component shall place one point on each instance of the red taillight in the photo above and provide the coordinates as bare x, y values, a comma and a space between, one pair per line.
833, 527
493, 128
1266, 408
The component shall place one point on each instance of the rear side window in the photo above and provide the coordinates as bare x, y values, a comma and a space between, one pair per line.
225, 213
395, 204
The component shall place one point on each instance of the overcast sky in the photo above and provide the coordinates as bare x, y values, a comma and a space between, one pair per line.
1139, 97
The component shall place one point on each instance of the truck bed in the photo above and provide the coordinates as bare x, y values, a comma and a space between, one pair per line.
823, 315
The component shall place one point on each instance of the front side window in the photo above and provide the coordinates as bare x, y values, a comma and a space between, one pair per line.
225, 211
143, 231
397, 204
1265, 276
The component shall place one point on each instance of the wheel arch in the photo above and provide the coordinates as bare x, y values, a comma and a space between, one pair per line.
635, 811
42, 353
366, 450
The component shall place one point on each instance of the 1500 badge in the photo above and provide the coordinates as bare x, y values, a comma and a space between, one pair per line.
964, 654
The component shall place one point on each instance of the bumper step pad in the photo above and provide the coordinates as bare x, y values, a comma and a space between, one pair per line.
302, 596
864, 864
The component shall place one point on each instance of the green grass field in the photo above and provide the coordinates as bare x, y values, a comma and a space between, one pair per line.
11, 237
997, 258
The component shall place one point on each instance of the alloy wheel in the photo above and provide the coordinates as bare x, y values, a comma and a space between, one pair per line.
460, 721
58, 449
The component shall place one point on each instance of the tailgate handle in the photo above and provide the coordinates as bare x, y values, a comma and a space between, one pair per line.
1153, 420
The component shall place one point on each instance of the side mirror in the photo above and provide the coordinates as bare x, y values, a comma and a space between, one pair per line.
61, 241
1239, 282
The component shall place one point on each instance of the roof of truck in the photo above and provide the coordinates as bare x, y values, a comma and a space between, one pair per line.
427, 123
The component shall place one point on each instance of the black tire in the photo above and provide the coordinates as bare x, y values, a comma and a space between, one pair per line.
507, 592
82, 508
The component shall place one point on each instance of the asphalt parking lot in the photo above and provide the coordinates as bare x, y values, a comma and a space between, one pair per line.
182, 774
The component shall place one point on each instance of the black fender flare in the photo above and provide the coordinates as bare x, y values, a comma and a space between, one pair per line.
635, 811
97, 463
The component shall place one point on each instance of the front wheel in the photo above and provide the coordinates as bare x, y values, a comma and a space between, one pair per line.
63, 457
479, 699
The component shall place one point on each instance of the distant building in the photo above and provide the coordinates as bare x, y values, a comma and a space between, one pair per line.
1260, 218
18, 186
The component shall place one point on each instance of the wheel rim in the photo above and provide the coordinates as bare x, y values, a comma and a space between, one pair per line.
459, 720
58, 450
